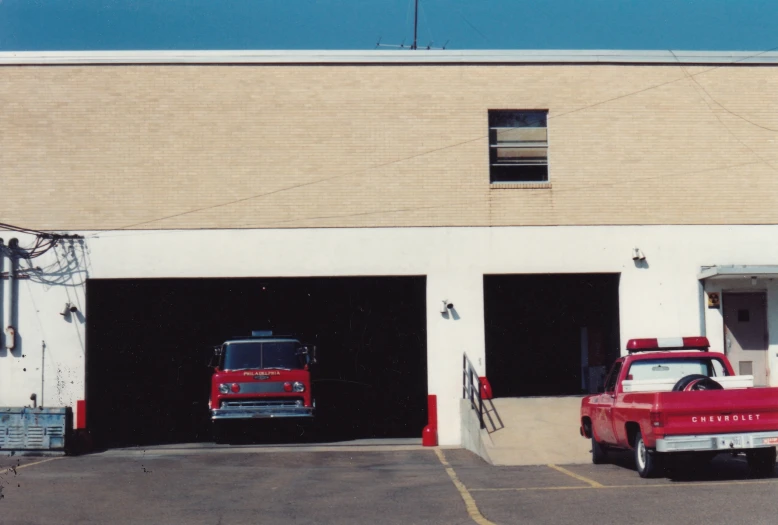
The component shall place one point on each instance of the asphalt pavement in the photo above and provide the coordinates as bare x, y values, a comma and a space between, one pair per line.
370, 483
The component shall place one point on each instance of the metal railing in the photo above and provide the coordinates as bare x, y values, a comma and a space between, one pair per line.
471, 388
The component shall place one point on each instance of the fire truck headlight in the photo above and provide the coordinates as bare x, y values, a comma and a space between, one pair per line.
224, 388
298, 387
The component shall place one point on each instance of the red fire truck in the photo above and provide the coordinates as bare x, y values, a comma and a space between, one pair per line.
261, 376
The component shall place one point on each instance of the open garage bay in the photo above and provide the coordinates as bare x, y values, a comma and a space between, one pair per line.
550, 334
150, 341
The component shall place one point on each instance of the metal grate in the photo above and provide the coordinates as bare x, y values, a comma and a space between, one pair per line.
15, 437
261, 403
35, 437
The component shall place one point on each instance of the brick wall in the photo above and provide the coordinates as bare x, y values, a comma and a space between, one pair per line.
259, 146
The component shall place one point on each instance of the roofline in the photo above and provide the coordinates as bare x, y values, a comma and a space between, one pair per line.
270, 57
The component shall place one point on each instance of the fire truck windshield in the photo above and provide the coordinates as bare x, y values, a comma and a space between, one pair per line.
263, 355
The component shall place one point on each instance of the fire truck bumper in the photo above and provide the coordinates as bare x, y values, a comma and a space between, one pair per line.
261, 413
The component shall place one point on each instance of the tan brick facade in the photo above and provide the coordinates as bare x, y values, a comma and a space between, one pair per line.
290, 146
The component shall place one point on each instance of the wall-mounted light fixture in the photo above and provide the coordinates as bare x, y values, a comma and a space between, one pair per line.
445, 306
69, 308
638, 255
753, 280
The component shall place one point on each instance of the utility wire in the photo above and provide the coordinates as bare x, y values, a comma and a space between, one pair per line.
472, 26
44, 241
719, 104
426, 23
377, 212
713, 112
310, 183
557, 191
11, 227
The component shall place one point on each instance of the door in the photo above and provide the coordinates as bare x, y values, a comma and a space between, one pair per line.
603, 408
745, 334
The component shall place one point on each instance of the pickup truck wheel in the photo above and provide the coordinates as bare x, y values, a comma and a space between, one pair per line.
761, 462
599, 454
647, 462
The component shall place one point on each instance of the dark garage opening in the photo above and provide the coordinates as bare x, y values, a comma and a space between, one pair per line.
550, 334
150, 341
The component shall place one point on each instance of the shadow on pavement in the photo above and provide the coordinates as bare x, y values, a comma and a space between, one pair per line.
724, 467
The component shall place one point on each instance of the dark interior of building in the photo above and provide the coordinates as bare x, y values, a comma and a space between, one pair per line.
150, 342
538, 327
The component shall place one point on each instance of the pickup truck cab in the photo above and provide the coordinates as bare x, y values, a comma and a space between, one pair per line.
672, 396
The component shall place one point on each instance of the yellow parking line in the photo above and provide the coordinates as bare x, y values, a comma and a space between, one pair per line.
633, 486
521, 489
591, 482
35, 463
472, 508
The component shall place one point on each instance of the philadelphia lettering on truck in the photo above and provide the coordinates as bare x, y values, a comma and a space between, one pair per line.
672, 397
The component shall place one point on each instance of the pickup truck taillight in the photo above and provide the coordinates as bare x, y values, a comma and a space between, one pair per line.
657, 420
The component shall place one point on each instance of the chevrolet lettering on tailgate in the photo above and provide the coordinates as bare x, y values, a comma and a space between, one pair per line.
725, 419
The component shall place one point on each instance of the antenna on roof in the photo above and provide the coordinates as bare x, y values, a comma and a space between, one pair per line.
414, 46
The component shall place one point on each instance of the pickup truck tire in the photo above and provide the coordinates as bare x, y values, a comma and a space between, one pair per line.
696, 382
761, 462
599, 454
647, 462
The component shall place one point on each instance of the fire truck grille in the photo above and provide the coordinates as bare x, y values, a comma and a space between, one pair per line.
265, 402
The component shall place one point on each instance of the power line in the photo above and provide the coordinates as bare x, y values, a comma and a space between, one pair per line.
619, 97
729, 131
472, 26
557, 191
719, 104
288, 188
357, 214
44, 241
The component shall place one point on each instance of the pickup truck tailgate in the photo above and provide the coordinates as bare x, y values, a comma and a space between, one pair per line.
717, 411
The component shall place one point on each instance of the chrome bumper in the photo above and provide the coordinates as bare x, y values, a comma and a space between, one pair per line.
717, 442
260, 412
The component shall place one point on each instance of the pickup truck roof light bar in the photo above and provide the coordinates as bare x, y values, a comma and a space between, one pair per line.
668, 343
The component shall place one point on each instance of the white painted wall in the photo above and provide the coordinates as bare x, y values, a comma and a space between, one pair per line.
658, 301
49, 356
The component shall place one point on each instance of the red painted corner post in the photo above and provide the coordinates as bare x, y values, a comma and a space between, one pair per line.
81, 413
486, 388
81, 440
429, 436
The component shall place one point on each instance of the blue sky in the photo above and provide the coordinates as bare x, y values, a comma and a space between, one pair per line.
357, 24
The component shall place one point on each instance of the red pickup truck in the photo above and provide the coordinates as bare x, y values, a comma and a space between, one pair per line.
669, 397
